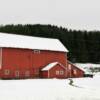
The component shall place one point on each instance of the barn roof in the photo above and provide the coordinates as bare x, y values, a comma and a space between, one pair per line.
21, 41
51, 65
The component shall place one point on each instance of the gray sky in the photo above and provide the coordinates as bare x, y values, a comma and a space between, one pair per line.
75, 14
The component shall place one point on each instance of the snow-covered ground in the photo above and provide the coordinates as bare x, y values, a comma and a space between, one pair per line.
51, 89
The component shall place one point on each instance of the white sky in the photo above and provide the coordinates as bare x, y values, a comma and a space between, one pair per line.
75, 14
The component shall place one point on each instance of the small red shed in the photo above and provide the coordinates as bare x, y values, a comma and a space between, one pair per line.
74, 71
54, 70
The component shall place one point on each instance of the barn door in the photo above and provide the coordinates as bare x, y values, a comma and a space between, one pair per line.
36, 72
17, 74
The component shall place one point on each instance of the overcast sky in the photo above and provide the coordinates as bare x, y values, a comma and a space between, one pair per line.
75, 14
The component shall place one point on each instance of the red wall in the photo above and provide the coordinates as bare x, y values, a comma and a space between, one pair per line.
23, 60
44, 74
74, 71
52, 72
46, 57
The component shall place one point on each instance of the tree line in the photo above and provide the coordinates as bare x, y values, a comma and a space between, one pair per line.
83, 46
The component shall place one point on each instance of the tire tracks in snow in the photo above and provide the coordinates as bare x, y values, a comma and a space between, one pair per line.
71, 83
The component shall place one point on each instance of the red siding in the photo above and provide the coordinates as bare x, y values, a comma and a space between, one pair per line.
23, 60
44, 74
46, 57
52, 72
74, 71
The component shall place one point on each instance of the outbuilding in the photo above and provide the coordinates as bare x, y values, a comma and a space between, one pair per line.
53, 70
74, 71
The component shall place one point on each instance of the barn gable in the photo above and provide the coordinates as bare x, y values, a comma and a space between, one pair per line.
54, 70
79, 68
74, 71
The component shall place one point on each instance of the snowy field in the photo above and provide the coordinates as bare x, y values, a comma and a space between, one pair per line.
50, 89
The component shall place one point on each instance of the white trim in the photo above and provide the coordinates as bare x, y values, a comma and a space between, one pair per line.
17, 73
75, 71
37, 51
0, 58
66, 72
61, 72
57, 72
6, 71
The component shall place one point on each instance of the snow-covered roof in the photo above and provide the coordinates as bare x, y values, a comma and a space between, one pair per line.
75, 65
21, 41
51, 65
80, 67
85, 67
88, 65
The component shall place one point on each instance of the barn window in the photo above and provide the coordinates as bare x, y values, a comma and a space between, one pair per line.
69, 66
17, 73
7, 72
27, 73
57, 72
37, 51
61, 72
75, 71
36, 71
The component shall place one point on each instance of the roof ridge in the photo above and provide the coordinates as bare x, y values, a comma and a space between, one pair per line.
48, 67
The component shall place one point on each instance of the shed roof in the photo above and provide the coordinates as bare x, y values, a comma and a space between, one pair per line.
51, 65
80, 68
21, 41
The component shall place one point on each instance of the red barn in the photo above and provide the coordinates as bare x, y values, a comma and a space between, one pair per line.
32, 57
